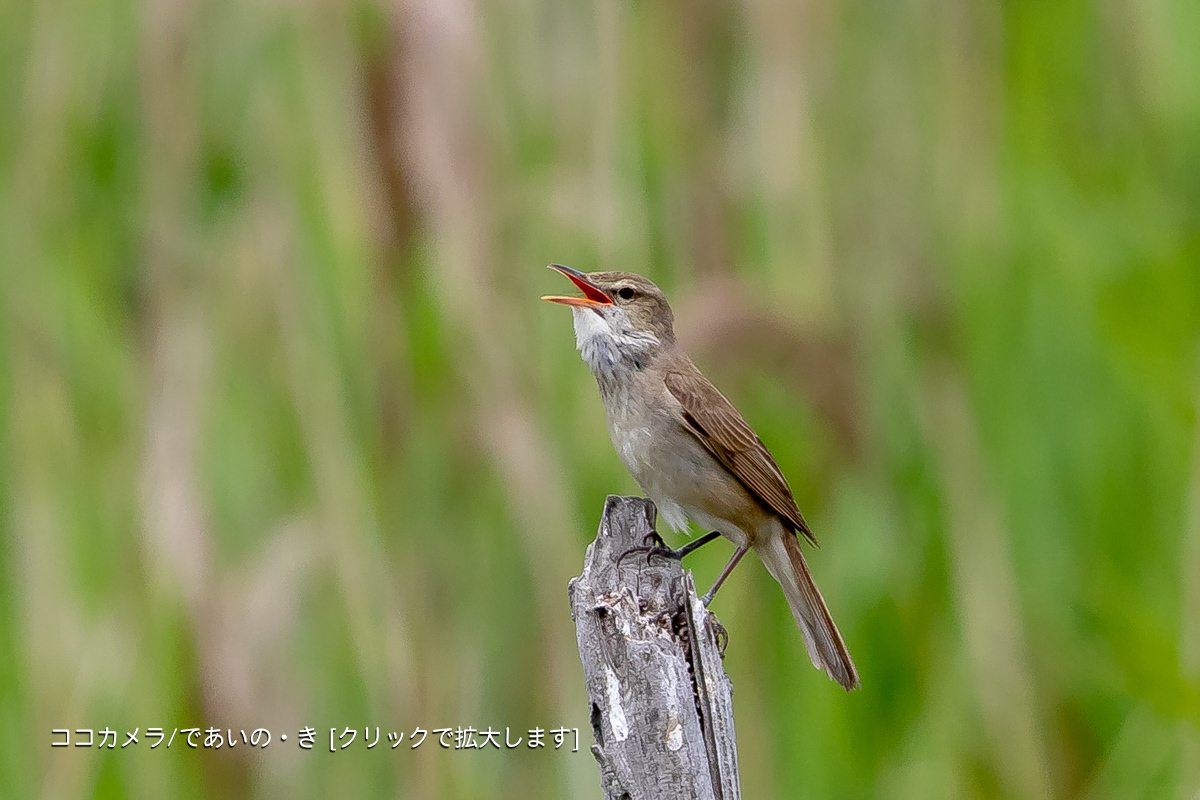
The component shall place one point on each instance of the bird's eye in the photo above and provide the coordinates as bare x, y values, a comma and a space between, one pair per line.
625, 293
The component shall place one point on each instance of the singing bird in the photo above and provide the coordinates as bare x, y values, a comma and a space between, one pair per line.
691, 451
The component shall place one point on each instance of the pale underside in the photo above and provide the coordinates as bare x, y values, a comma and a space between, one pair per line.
697, 459
648, 431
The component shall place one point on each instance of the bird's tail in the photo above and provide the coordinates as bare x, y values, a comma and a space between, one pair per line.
785, 561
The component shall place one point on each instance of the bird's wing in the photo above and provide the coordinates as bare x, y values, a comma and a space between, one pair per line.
723, 431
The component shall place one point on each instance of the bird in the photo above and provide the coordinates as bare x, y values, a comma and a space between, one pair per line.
692, 452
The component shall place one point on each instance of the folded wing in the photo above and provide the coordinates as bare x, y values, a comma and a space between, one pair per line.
723, 431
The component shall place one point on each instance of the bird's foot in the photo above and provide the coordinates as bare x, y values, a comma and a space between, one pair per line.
659, 549
653, 545
722, 635
652, 539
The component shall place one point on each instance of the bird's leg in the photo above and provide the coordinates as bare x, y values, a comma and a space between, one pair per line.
733, 562
661, 549
695, 544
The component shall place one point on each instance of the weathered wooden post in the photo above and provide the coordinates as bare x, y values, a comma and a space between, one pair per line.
661, 705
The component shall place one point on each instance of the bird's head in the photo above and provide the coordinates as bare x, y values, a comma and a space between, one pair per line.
621, 317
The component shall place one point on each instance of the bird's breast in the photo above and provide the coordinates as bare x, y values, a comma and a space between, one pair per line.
632, 434
677, 472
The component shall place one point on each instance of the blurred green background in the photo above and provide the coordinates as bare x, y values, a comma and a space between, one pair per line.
289, 440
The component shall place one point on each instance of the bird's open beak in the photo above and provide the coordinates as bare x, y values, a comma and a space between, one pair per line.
592, 295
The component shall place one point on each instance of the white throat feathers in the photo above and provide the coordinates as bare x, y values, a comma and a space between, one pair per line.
609, 345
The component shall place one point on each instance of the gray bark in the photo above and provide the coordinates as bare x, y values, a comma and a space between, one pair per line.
661, 705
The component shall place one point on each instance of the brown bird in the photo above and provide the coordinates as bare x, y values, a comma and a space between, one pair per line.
691, 451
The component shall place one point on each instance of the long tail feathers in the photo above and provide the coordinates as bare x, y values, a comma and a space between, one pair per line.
785, 561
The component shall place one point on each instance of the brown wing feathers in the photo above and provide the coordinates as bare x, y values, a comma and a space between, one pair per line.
719, 426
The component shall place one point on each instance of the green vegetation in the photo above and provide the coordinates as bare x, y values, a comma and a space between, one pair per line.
289, 440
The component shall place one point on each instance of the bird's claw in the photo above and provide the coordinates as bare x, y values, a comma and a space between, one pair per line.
650, 550
721, 635
652, 545
652, 539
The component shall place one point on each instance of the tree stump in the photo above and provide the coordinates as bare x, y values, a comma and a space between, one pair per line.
661, 704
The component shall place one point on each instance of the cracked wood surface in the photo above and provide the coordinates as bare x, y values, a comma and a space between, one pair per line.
661, 704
